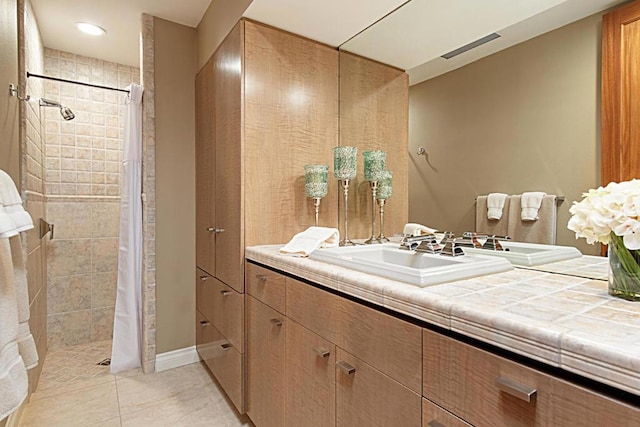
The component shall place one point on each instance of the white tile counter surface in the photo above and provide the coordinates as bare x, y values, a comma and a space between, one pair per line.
564, 321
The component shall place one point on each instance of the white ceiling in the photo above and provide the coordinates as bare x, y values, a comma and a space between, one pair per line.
412, 38
120, 18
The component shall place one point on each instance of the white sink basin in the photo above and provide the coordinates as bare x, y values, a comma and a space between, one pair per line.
529, 254
416, 268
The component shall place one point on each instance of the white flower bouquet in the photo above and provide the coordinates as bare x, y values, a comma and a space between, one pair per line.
611, 215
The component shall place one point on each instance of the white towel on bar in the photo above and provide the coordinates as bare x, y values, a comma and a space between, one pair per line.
530, 205
304, 243
495, 205
13, 217
17, 347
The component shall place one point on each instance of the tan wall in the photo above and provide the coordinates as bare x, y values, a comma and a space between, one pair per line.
175, 59
524, 119
216, 23
9, 154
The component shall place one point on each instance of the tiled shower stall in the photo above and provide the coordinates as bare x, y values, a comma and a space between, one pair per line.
82, 189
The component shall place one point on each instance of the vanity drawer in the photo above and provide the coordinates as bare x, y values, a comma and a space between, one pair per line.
223, 306
390, 345
435, 416
476, 385
266, 286
225, 362
367, 397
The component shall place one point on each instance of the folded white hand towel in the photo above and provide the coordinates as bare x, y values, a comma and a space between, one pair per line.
530, 204
412, 229
495, 204
302, 244
13, 217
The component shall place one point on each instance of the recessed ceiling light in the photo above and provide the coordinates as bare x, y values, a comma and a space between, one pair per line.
91, 29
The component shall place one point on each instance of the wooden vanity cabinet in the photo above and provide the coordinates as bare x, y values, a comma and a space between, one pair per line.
252, 141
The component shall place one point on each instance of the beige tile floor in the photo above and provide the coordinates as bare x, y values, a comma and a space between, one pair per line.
74, 391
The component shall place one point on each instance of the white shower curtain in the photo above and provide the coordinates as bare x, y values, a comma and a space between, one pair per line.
126, 352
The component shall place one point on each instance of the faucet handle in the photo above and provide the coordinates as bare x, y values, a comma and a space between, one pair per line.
493, 243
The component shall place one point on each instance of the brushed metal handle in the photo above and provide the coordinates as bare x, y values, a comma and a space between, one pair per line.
204, 323
346, 368
218, 230
276, 322
226, 346
515, 389
261, 277
203, 278
224, 293
322, 352
434, 423
211, 229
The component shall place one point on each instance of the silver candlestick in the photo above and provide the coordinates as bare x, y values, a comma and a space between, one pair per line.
373, 239
382, 238
345, 188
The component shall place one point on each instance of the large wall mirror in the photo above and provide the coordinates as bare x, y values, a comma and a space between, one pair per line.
518, 113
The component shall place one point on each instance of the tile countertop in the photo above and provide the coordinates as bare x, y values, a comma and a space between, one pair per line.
564, 321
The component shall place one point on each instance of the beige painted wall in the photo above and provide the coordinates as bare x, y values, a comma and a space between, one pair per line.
175, 62
524, 119
9, 148
215, 24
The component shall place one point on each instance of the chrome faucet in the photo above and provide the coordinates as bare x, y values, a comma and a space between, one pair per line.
427, 243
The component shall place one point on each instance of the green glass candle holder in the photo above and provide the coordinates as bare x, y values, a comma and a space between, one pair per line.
344, 162
316, 185
374, 164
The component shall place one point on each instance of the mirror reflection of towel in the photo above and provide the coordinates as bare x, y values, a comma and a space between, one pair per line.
530, 203
543, 230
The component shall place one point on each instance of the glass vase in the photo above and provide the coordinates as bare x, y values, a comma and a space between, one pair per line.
624, 270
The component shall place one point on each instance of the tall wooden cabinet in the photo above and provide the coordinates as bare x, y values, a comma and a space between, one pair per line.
621, 93
266, 105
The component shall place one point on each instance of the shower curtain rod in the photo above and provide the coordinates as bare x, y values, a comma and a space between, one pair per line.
74, 82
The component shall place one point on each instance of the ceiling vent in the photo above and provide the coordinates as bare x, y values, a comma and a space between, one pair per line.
472, 45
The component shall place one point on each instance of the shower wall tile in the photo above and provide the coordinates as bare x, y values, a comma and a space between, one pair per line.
69, 293
102, 323
69, 257
97, 127
103, 289
69, 328
90, 225
105, 219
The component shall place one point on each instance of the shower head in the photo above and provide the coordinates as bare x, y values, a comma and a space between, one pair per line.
65, 112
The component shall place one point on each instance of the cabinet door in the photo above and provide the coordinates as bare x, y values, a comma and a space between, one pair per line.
621, 94
205, 168
311, 378
224, 361
229, 181
573, 405
367, 397
482, 388
265, 364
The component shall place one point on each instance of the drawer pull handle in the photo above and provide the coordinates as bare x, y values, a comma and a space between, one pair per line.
210, 229
203, 278
261, 277
346, 368
322, 352
515, 389
224, 293
204, 323
434, 423
276, 322
218, 230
